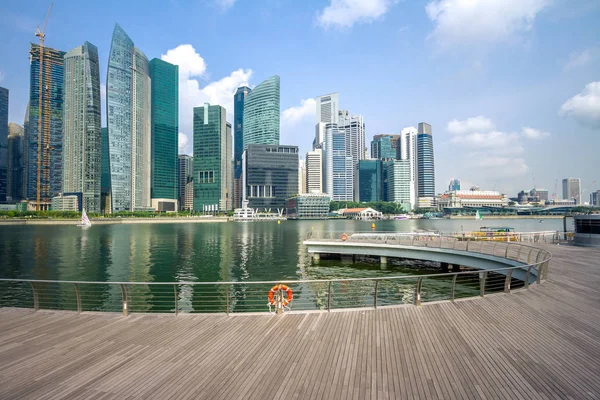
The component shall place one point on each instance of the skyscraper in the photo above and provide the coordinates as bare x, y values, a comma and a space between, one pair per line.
425, 161
3, 143
385, 147
238, 128
368, 180
327, 108
454, 185
105, 203
314, 171
212, 159
407, 153
572, 189
185, 176
339, 165
45, 130
354, 126
25, 153
262, 113
14, 186
400, 188
82, 135
301, 176
129, 131
164, 79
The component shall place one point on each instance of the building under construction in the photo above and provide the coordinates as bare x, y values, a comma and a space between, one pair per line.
44, 147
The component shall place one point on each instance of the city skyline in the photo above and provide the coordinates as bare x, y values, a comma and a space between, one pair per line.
504, 129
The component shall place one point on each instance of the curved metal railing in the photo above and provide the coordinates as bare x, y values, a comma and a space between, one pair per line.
315, 294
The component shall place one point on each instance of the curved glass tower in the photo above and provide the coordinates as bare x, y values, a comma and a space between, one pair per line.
128, 113
262, 113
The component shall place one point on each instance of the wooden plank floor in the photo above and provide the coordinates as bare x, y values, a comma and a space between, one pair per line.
538, 344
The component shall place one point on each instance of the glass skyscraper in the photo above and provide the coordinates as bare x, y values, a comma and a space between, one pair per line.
339, 165
262, 113
82, 163
425, 161
385, 147
369, 180
14, 189
105, 174
3, 143
129, 132
185, 179
165, 128
212, 159
45, 130
238, 133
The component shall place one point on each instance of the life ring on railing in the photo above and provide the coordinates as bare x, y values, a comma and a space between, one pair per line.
344, 237
274, 290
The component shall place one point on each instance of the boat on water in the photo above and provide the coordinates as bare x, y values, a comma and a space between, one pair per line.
85, 221
478, 215
401, 217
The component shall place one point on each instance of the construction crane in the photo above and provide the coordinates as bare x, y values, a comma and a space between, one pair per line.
42, 35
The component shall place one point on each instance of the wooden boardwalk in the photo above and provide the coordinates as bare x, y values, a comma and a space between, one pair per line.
538, 344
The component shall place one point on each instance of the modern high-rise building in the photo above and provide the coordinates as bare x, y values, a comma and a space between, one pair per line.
408, 153
128, 92
45, 130
385, 147
354, 127
454, 185
25, 153
338, 165
164, 78
105, 203
400, 189
14, 186
572, 189
82, 135
185, 176
3, 143
327, 108
314, 171
368, 181
595, 198
238, 142
212, 160
301, 176
262, 113
425, 161
270, 175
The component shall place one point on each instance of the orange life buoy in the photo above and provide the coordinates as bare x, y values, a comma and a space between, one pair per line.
344, 237
274, 290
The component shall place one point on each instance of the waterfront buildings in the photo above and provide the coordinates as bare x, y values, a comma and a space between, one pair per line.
541, 194
82, 135
14, 179
3, 143
314, 171
185, 179
400, 187
408, 153
354, 128
308, 206
425, 161
301, 176
368, 181
66, 202
164, 78
385, 147
338, 164
128, 91
472, 198
212, 159
454, 185
572, 189
238, 135
45, 127
262, 113
270, 175
105, 203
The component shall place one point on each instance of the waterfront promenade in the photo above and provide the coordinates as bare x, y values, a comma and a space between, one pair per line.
531, 344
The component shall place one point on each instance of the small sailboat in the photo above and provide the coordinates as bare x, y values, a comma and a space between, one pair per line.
478, 215
85, 221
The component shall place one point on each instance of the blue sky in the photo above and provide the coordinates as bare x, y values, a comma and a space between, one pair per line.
511, 87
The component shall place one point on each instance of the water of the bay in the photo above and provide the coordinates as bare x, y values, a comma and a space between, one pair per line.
206, 252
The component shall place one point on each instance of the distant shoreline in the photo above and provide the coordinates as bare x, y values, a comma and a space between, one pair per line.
509, 217
111, 221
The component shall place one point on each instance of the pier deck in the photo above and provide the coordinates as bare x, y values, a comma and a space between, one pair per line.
531, 344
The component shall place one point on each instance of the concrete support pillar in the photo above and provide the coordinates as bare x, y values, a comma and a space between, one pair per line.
445, 266
383, 260
316, 257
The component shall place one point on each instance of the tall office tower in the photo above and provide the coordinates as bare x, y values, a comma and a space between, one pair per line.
14, 185
3, 143
595, 198
82, 135
238, 142
314, 171
385, 147
368, 180
45, 131
301, 176
105, 203
400, 189
129, 124
185, 176
425, 162
339, 165
407, 151
212, 159
354, 127
327, 113
164, 78
262, 113
229, 166
454, 185
25, 153
572, 189
270, 175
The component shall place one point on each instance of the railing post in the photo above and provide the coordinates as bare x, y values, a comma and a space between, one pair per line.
494, 248
506, 252
454, 244
507, 281
418, 292
527, 275
453, 286
176, 303
376, 287
78, 298
481, 248
529, 256
124, 300
482, 279
36, 301
227, 294
468, 240
519, 252
329, 297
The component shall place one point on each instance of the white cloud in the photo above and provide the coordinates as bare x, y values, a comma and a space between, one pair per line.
531, 133
467, 22
292, 115
225, 4
495, 140
585, 106
184, 144
577, 60
475, 124
345, 13
191, 94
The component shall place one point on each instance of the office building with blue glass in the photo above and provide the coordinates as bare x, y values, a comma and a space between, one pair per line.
425, 161
238, 143
3, 143
368, 182
262, 113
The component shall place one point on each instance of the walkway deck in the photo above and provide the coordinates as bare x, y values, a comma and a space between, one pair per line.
536, 344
